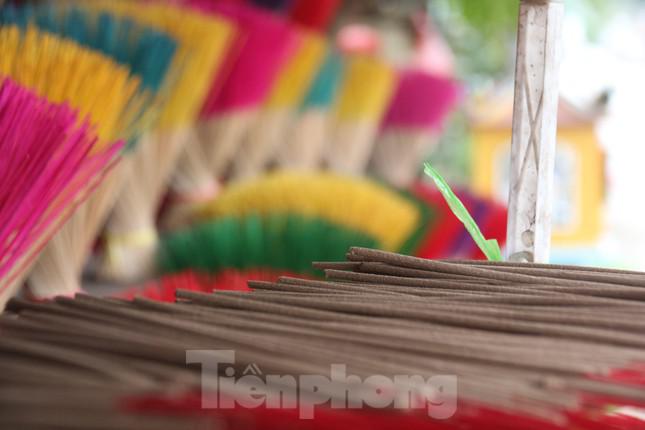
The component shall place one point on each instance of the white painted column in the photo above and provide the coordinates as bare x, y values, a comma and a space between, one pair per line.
535, 118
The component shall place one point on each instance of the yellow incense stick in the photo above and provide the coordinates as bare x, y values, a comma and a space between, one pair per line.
366, 90
103, 92
355, 203
269, 131
202, 43
63, 71
364, 95
298, 74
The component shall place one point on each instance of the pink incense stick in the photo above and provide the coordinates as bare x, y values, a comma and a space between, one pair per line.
267, 41
412, 124
263, 42
47, 165
421, 101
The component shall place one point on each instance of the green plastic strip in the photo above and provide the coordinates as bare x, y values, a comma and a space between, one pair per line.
490, 248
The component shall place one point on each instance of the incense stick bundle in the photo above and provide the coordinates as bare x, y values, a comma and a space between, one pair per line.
268, 42
366, 90
308, 137
541, 352
202, 42
357, 204
411, 126
147, 52
276, 242
269, 130
193, 181
147, 55
27, 54
102, 91
308, 132
51, 161
279, 234
261, 46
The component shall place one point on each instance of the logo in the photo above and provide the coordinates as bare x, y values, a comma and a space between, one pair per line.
252, 369
223, 389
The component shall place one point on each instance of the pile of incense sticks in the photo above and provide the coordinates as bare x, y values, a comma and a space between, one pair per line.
550, 347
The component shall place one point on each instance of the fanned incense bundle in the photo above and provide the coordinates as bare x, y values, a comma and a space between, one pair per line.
268, 42
193, 181
357, 204
109, 97
457, 344
363, 98
147, 55
305, 144
81, 77
268, 133
202, 42
281, 238
146, 52
238, 90
50, 162
411, 125
278, 242
308, 132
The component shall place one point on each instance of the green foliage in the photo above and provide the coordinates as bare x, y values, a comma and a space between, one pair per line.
280, 241
453, 155
482, 32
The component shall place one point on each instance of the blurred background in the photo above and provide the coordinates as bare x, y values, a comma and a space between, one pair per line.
267, 134
598, 209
